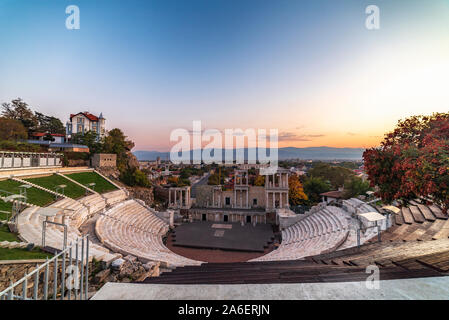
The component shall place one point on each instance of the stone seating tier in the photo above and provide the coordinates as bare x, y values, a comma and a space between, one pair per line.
318, 232
29, 224
131, 228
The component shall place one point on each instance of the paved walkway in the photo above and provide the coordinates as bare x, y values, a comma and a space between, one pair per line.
419, 288
30, 172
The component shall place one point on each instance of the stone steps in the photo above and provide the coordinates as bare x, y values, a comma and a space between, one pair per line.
30, 226
131, 229
320, 231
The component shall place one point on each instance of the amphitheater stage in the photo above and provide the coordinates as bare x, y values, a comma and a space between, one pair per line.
223, 235
404, 289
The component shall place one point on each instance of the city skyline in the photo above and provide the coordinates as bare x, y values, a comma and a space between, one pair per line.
309, 69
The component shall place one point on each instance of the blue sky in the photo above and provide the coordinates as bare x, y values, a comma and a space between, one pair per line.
309, 68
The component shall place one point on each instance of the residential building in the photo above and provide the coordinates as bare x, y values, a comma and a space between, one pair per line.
83, 122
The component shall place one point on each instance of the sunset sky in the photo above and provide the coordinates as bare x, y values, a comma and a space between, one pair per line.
308, 68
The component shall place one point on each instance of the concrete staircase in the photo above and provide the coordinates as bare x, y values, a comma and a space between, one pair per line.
29, 224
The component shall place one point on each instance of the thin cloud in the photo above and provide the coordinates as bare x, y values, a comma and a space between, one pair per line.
290, 136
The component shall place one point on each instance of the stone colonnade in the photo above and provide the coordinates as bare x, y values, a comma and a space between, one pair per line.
179, 197
232, 216
276, 199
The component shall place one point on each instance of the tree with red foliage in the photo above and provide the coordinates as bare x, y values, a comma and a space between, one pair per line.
413, 161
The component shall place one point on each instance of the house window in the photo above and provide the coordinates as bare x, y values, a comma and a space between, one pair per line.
228, 201
254, 202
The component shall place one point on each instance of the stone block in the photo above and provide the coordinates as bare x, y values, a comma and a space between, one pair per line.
130, 258
116, 264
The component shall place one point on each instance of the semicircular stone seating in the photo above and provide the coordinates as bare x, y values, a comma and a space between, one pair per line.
29, 223
132, 228
322, 231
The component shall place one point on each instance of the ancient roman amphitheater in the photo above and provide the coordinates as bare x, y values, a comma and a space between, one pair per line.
326, 246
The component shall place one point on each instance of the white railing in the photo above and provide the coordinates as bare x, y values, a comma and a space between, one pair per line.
73, 278
18, 160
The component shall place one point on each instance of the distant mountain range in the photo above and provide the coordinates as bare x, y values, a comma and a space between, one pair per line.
311, 153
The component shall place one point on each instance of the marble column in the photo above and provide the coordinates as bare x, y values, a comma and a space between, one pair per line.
266, 199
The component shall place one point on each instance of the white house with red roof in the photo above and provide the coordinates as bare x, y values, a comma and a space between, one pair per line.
41, 136
83, 122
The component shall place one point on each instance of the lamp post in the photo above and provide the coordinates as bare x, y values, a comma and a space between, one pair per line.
90, 186
48, 212
23, 190
60, 187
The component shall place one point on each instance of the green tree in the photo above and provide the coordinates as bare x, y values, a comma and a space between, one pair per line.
213, 179
48, 137
314, 186
116, 142
134, 177
18, 110
356, 186
90, 139
49, 124
12, 129
334, 174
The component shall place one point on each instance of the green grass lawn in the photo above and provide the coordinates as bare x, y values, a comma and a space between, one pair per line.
72, 190
35, 196
16, 253
6, 235
5, 206
21, 254
101, 185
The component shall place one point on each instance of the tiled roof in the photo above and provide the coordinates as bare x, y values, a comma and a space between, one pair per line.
40, 134
333, 194
88, 115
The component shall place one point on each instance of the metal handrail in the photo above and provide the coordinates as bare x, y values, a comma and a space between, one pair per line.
9, 292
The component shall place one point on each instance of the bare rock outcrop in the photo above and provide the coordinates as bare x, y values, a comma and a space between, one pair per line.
127, 269
142, 193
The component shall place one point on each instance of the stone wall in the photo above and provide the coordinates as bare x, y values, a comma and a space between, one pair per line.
14, 270
258, 193
77, 163
234, 215
102, 160
204, 197
128, 269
